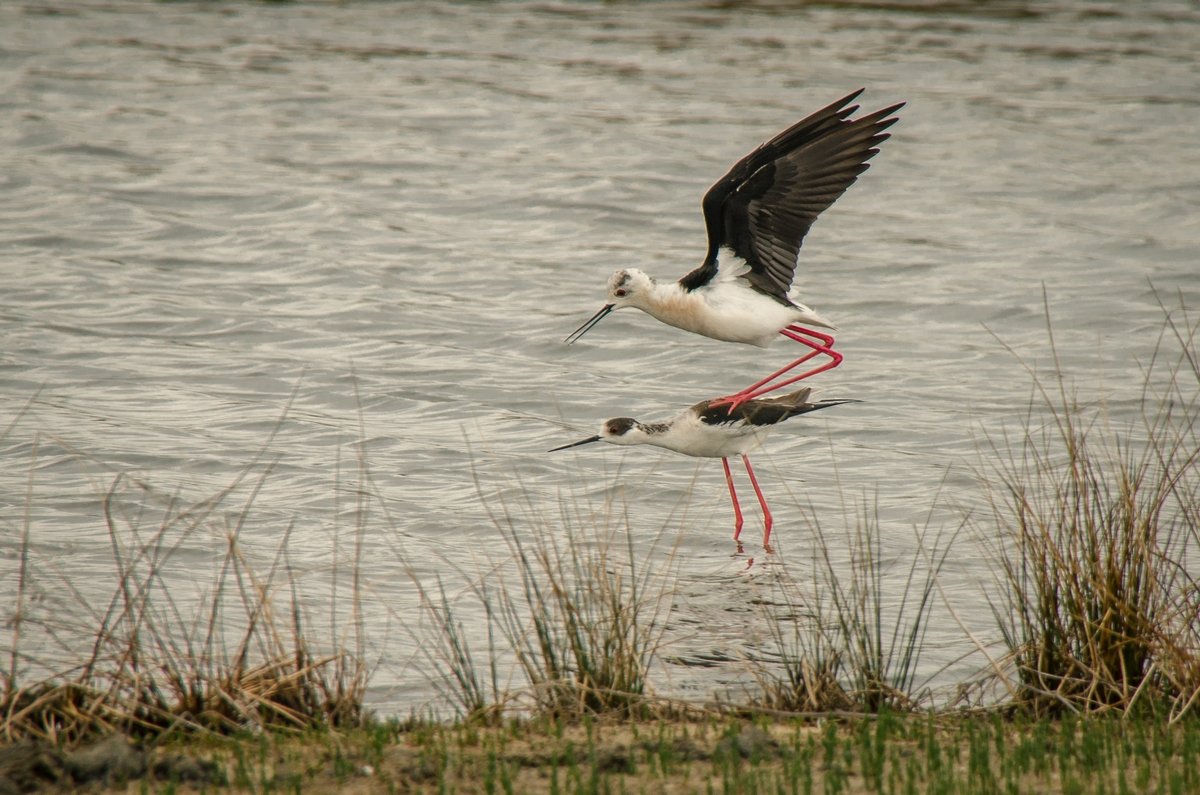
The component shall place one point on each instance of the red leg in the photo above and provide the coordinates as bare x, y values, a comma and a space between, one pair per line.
760, 388
779, 372
737, 509
767, 519
835, 359
826, 339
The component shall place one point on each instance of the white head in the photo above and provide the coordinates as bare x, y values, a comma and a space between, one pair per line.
627, 287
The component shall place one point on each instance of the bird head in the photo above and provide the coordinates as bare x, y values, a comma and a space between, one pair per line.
618, 430
627, 287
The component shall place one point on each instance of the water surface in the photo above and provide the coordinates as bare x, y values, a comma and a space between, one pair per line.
338, 246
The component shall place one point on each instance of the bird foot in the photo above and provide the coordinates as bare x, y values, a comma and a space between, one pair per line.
733, 400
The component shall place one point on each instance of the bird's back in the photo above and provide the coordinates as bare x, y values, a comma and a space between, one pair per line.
762, 412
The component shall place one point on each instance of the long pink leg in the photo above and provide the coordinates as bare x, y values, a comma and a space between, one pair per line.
826, 339
794, 333
835, 359
737, 509
780, 371
767, 520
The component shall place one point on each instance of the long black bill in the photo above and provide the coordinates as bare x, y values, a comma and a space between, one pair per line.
575, 444
586, 327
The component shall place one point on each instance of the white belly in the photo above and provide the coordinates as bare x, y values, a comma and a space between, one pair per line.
729, 309
736, 313
694, 438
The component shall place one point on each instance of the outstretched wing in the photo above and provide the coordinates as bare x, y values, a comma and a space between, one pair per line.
765, 205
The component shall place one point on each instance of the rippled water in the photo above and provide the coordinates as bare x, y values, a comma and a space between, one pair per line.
378, 221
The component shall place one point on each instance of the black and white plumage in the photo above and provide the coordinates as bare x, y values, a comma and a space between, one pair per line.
757, 217
708, 431
762, 209
713, 430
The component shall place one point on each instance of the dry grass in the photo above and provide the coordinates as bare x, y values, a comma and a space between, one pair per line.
852, 637
579, 613
1096, 566
1099, 519
165, 653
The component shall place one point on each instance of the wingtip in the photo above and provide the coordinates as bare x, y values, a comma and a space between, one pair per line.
879, 113
837, 402
841, 108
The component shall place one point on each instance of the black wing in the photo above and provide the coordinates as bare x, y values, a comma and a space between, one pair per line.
765, 411
765, 205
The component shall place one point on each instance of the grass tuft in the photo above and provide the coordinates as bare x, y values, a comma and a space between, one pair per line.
1098, 518
1096, 509
852, 637
581, 623
165, 654
582, 613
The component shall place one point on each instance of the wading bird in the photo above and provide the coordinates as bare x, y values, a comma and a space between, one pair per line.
757, 216
709, 431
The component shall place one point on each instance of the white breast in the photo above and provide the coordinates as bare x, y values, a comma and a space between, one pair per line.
736, 312
688, 435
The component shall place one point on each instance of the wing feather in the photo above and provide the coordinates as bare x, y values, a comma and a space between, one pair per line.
765, 411
764, 206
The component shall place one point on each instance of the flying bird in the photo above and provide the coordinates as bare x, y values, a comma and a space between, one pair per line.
708, 430
757, 216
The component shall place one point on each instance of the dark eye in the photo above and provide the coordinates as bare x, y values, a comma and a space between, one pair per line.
621, 293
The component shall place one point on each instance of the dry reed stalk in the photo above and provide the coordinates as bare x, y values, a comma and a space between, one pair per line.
582, 620
1099, 523
157, 666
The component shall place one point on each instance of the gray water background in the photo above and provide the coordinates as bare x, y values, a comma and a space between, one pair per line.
379, 220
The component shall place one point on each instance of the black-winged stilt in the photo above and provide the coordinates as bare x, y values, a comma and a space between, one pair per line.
709, 431
757, 216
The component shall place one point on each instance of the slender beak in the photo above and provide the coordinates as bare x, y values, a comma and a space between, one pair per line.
586, 327
575, 444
